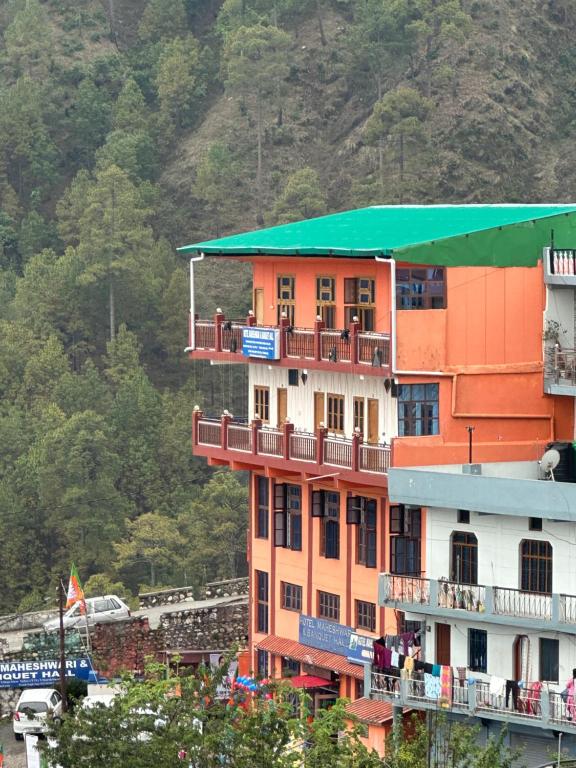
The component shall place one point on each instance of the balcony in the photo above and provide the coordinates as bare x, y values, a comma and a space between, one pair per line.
543, 709
253, 445
559, 266
475, 602
560, 371
319, 348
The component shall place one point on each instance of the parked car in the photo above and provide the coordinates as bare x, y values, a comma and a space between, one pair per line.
32, 711
98, 610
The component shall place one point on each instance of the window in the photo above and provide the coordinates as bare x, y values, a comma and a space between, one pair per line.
262, 506
290, 667
407, 625
359, 415
262, 403
262, 663
534, 523
287, 516
405, 540
359, 301
366, 615
326, 505
286, 297
291, 596
536, 566
477, 650
359, 688
464, 558
328, 606
463, 516
549, 660
326, 300
417, 409
335, 421
420, 288
366, 534
261, 601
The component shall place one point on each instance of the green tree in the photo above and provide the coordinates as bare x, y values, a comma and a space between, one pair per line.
89, 121
133, 152
178, 82
130, 111
400, 116
114, 234
256, 63
301, 198
163, 19
218, 173
217, 523
27, 40
152, 539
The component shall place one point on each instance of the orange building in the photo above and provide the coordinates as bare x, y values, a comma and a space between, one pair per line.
388, 336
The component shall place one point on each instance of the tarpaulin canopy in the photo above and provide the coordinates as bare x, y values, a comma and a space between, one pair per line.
308, 681
449, 235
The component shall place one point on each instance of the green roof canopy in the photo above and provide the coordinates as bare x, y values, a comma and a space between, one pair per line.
451, 235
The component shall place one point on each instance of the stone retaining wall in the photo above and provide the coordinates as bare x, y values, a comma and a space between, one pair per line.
228, 588
165, 597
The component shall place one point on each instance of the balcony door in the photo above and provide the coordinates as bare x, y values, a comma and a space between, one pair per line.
319, 409
372, 421
259, 305
443, 644
282, 405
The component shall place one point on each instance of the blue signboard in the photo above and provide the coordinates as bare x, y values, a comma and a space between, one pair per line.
337, 638
261, 342
30, 674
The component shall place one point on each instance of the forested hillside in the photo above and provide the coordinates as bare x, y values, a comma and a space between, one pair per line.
129, 127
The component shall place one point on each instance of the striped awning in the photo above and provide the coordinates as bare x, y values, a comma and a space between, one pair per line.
280, 646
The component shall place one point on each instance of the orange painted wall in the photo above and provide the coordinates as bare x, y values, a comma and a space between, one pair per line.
306, 270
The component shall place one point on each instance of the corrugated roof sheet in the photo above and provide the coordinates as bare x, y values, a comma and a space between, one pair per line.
370, 710
453, 235
304, 653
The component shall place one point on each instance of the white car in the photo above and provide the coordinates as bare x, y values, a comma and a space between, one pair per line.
32, 710
98, 611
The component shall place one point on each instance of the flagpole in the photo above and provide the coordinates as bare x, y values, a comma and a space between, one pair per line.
61, 589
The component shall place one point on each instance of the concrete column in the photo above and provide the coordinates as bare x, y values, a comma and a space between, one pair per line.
319, 326
218, 320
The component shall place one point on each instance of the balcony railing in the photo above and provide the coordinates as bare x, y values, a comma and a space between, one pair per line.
319, 344
560, 366
541, 708
289, 444
490, 603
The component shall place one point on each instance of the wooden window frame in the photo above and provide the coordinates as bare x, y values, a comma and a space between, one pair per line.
367, 533
478, 650
359, 414
414, 288
287, 305
464, 557
262, 601
326, 308
418, 416
291, 596
262, 509
262, 403
536, 568
335, 417
355, 307
328, 606
287, 516
405, 529
330, 518
365, 615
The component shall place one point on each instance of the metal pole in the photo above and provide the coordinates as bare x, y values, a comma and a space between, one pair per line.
61, 594
559, 748
470, 430
192, 304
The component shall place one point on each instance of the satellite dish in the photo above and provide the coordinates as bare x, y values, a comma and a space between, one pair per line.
550, 461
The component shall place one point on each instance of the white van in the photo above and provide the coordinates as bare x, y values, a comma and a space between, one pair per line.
98, 611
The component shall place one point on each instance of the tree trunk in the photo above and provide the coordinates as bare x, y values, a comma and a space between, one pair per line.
259, 217
320, 24
112, 303
112, 15
152, 574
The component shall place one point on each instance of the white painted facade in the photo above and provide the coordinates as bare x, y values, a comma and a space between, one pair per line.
301, 398
499, 538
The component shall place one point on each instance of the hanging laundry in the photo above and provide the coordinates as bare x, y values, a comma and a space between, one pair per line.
513, 688
395, 656
428, 668
496, 687
409, 663
446, 685
461, 675
431, 686
436, 670
407, 639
